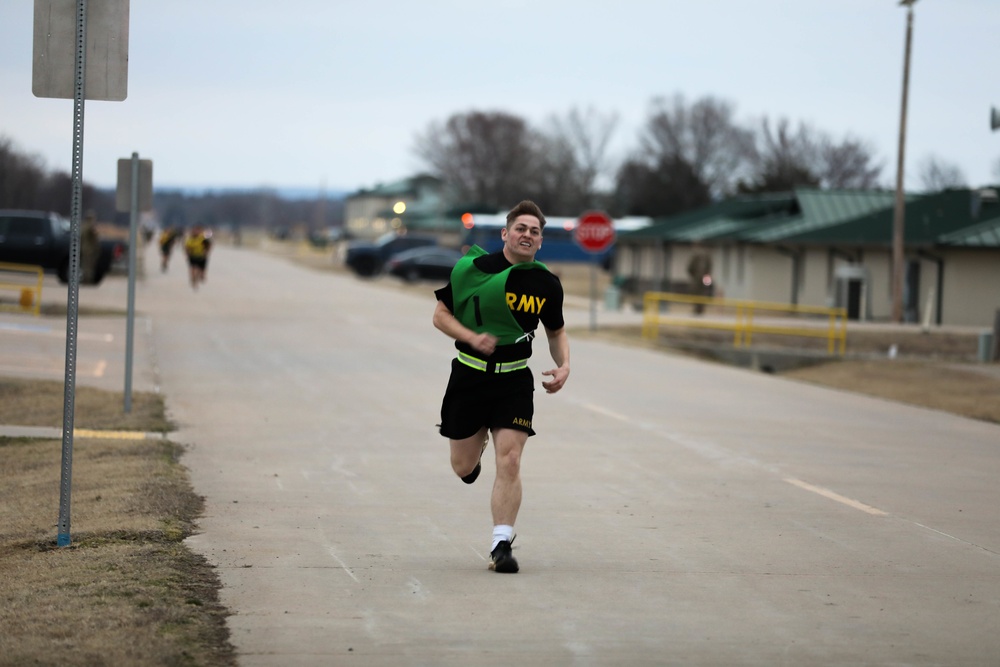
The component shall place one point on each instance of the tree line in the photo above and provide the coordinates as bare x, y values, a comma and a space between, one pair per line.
686, 155
25, 183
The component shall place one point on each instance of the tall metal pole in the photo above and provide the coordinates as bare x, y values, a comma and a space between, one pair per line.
899, 222
73, 298
132, 241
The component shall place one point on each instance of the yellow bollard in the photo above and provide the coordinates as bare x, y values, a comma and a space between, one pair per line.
27, 298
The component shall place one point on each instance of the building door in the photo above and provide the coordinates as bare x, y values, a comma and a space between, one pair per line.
911, 292
855, 288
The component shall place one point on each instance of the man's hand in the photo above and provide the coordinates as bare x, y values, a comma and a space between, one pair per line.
559, 376
483, 342
559, 348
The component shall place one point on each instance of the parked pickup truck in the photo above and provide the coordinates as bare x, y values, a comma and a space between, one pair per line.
40, 238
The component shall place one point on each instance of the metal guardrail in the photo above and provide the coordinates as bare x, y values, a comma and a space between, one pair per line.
738, 316
26, 281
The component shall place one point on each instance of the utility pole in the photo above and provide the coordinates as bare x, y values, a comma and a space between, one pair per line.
899, 222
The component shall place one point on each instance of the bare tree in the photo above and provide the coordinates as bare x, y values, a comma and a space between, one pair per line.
671, 186
849, 164
936, 174
787, 157
784, 158
487, 158
581, 138
22, 177
557, 186
703, 135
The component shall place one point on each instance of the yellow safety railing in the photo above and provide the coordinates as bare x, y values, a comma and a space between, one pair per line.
738, 316
26, 282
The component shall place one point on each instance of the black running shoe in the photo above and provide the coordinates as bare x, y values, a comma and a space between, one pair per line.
501, 558
474, 475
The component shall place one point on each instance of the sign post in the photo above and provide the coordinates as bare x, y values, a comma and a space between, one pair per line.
135, 192
71, 60
595, 233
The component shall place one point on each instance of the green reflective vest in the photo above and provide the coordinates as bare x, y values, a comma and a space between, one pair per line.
480, 299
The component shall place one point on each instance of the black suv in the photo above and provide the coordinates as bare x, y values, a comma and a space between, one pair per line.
368, 259
40, 238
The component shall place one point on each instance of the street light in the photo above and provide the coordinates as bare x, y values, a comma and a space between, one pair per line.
898, 219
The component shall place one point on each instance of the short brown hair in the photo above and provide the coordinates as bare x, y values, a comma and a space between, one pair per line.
526, 207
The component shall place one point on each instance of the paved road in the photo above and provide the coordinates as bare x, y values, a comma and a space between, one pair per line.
675, 512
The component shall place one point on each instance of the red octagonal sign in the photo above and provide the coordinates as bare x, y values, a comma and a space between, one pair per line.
594, 231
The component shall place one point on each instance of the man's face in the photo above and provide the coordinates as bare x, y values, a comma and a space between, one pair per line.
523, 239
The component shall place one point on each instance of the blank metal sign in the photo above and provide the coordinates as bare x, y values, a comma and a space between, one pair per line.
54, 57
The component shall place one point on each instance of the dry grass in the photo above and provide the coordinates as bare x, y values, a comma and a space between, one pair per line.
127, 591
959, 389
40, 403
931, 370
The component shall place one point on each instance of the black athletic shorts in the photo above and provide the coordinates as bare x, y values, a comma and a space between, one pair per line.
475, 399
198, 262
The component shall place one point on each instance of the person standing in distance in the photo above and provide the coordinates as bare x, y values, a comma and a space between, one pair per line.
491, 307
167, 239
197, 246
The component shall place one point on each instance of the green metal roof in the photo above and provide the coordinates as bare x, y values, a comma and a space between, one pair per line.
807, 216
407, 186
720, 219
820, 210
926, 218
985, 234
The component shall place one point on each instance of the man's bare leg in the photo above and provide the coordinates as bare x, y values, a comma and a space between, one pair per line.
465, 454
506, 499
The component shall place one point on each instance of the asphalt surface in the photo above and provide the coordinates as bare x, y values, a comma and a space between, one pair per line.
675, 512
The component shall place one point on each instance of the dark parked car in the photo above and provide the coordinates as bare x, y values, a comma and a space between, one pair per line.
427, 263
40, 238
368, 259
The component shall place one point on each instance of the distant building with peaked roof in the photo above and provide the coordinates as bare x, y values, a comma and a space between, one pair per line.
409, 203
832, 248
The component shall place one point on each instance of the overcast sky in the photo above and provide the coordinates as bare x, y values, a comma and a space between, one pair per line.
330, 93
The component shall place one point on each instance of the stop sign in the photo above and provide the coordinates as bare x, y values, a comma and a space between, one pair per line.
594, 231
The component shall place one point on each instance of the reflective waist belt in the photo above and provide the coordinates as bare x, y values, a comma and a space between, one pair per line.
488, 366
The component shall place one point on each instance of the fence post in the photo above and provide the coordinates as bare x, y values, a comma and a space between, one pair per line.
995, 355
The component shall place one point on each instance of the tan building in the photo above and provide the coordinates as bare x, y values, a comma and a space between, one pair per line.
393, 207
831, 248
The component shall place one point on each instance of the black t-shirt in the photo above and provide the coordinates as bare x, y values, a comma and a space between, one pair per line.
537, 283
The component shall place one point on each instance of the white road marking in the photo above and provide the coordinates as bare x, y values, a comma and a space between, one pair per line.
832, 495
342, 564
108, 435
714, 452
607, 413
54, 332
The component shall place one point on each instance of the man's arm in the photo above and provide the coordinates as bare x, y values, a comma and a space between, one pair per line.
447, 323
559, 349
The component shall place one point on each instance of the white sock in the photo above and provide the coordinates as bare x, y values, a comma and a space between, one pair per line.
501, 533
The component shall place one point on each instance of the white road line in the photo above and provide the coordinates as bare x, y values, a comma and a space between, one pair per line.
607, 413
832, 495
716, 453
342, 564
55, 333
